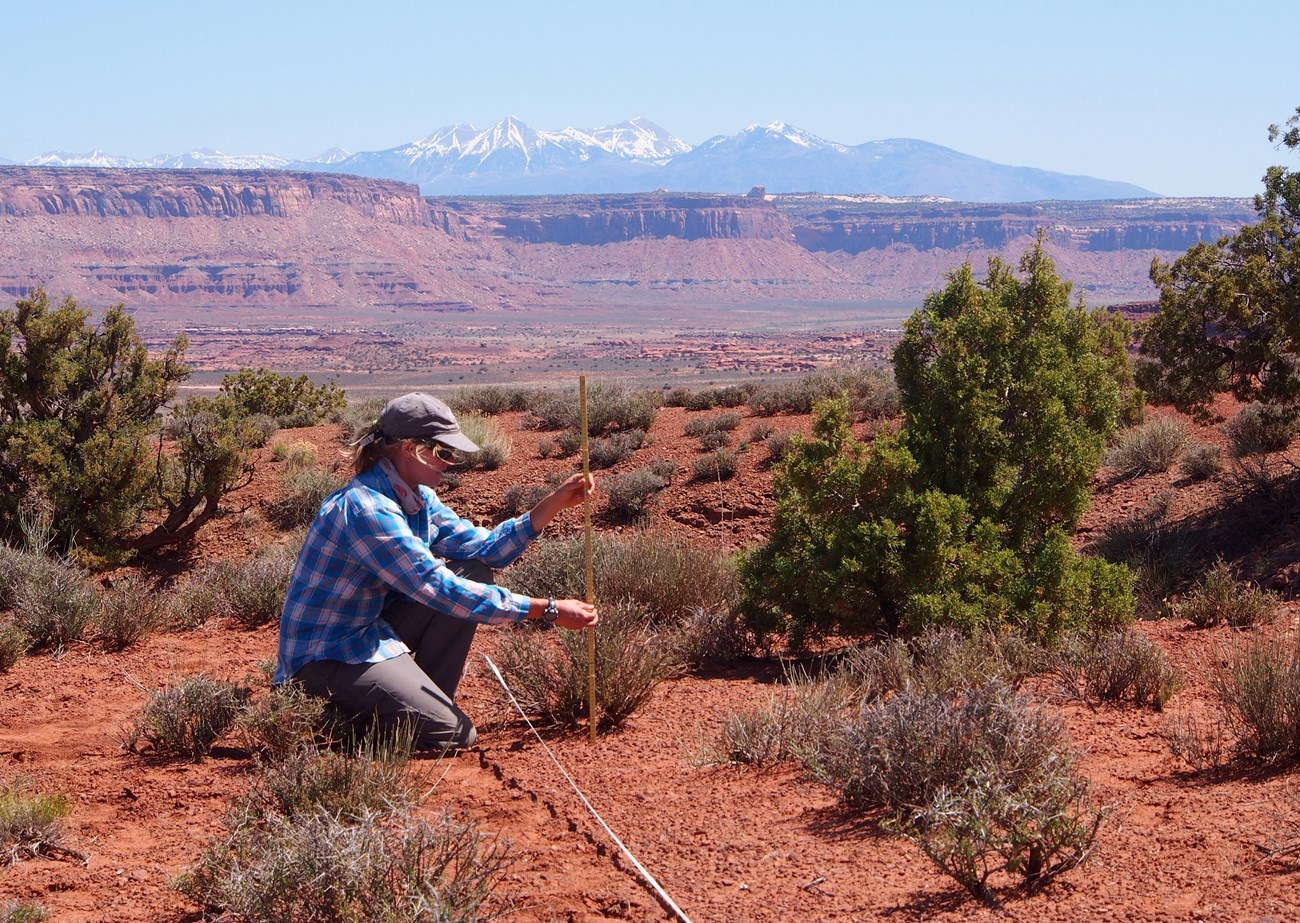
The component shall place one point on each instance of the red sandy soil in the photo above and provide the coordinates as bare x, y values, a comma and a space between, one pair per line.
727, 844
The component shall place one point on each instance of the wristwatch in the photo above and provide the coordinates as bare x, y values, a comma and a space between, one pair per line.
551, 614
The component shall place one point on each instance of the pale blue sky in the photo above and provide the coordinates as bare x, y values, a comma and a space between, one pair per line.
1172, 96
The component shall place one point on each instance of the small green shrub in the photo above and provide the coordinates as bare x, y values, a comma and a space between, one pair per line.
1219, 599
494, 446
1258, 429
291, 401
185, 719
31, 824
129, 612
55, 603
719, 465
627, 495
549, 675
1149, 448
1117, 667
1201, 461
15, 912
665, 574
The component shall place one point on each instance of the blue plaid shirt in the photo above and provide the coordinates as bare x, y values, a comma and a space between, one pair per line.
363, 549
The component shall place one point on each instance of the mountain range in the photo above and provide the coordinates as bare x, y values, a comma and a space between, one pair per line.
510, 158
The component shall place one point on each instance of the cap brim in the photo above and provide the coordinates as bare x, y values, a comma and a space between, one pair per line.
458, 441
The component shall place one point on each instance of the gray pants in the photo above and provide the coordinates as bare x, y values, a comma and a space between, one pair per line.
416, 689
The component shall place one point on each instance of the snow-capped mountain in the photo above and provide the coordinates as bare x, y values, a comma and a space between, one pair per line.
511, 158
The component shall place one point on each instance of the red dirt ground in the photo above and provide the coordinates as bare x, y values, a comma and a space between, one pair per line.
726, 844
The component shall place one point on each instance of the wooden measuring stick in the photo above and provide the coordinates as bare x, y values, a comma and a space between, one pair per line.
593, 712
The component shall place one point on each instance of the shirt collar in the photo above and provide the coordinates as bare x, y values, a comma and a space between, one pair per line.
410, 498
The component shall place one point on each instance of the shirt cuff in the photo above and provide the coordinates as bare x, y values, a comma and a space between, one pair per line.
529, 530
522, 605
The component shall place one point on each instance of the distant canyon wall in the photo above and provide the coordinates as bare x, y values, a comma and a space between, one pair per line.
248, 241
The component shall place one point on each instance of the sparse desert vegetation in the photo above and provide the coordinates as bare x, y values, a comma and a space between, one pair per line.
914, 652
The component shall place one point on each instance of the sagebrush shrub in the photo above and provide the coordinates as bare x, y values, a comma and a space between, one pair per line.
610, 450
610, 407
186, 718
302, 491
713, 636
719, 465
1259, 687
1150, 448
718, 423
779, 444
13, 645
383, 866
1117, 667
488, 400
1201, 461
284, 721
869, 390
982, 780
129, 612
794, 723
518, 499
1258, 429
55, 603
348, 786
251, 590
627, 495
1219, 599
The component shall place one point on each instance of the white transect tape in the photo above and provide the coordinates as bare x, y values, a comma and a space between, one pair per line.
594, 813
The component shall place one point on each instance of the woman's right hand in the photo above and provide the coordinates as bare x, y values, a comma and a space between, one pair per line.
574, 613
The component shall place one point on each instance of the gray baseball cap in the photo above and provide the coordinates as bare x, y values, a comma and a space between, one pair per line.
423, 416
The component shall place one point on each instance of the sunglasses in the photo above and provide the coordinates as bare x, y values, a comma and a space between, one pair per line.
442, 453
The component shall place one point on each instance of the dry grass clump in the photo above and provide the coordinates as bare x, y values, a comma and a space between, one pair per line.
129, 612
494, 446
713, 636
548, 671
186, 718
329, 837
1219, 599
1149, 448
1203, 744
31, 824
665, 574
1120, 666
